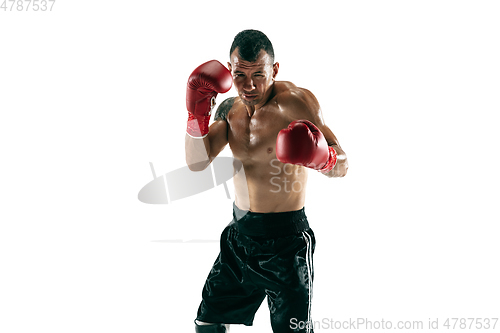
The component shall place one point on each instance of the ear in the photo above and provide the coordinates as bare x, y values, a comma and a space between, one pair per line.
229, 67
276, 67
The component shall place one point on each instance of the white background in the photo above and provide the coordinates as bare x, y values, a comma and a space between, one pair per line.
93, 91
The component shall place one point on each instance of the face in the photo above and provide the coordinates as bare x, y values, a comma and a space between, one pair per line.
253, 80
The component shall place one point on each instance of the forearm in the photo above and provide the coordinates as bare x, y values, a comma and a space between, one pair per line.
200, 152
197, 153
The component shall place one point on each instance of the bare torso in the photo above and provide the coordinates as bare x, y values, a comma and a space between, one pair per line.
266, 185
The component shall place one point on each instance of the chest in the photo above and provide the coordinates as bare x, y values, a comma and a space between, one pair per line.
253, 137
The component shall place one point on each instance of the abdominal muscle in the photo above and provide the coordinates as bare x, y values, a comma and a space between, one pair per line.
270, 187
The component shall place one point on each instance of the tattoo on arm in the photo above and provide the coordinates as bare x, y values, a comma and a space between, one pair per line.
224, 108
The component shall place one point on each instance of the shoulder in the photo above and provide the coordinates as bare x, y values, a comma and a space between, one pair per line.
224, 108
287, 91
294, 99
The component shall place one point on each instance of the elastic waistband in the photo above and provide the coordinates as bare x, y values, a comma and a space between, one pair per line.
269, 224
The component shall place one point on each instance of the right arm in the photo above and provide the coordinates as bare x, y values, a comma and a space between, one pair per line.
202, 143
201, 152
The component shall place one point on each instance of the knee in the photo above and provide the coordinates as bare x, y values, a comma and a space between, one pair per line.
202, 327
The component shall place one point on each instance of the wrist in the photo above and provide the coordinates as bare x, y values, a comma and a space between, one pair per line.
197, 127
332, 161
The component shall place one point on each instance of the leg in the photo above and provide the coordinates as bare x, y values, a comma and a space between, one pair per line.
228, 296
289, 312
290, 305
202, 327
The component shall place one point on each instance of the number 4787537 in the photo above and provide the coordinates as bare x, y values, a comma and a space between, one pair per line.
27, 5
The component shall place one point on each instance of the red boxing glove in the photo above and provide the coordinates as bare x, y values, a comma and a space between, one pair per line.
303, 143
203, 85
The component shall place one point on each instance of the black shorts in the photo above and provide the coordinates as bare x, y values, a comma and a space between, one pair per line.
262, 254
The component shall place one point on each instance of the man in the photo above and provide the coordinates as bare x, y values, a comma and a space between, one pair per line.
276, 131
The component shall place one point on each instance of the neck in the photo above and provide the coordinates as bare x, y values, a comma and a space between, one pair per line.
250, 110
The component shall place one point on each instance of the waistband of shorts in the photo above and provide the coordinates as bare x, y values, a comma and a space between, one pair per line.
269, 224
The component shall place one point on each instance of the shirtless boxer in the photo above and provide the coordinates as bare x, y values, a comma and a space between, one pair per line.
276, 130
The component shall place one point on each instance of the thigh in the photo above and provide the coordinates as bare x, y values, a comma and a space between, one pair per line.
290, 304
229, 296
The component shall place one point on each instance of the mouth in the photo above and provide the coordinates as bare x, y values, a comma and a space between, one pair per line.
249, 97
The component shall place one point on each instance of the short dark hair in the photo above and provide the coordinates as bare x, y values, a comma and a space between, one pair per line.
250, 43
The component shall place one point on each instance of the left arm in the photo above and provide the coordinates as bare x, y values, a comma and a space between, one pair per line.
302, 104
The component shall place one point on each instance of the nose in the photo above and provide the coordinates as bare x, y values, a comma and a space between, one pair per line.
248, 84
